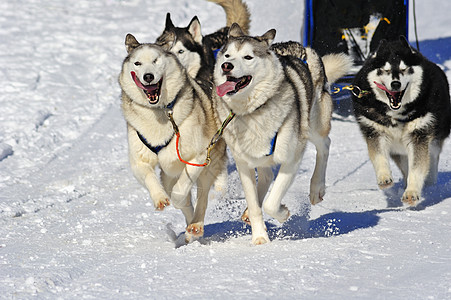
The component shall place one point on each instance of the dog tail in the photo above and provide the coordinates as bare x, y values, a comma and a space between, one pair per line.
336, 66
236, 12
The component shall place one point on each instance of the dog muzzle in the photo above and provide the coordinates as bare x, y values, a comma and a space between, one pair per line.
152, 91
394, 97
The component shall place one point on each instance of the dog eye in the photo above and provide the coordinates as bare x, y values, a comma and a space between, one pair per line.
137, 63
181, 51
248, 57
227, 56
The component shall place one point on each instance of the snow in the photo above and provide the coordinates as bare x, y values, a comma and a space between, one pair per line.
74, 223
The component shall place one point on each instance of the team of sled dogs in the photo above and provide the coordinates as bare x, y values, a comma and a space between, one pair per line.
265, 101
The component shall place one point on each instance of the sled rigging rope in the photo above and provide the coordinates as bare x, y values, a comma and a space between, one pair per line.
210, 147
355, 90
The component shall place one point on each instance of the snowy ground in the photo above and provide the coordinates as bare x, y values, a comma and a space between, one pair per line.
74, 223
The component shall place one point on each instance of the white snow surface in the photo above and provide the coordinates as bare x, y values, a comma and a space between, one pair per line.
75, 224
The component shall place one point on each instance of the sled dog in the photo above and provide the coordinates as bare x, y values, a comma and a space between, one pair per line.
195, 51
403, 113
168, 113
279, 103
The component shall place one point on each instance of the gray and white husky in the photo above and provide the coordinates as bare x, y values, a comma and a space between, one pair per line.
279, 103
167, 113
404, 113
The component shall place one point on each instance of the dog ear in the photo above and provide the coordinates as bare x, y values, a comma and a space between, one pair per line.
235, 30
382, 45
269, 36
195, 30
169, 25
131, 43
405, 43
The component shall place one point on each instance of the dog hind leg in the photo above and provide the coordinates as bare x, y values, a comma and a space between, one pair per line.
320, 126
378, 153
435, 148
402, 163
318, 180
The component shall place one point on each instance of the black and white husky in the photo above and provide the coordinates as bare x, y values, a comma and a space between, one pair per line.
403, 111
279, 103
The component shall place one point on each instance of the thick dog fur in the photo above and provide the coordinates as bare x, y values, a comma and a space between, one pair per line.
195, 51
280, 103
161, 74
410, 125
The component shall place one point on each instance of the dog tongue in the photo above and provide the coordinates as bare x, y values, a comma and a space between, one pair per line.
382, 87
226, 87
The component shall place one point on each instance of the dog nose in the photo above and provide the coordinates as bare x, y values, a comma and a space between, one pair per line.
395, 85
227, 67
148, 77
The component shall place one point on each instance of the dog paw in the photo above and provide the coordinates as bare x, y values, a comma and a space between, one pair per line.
316, 198
411, 198
384, 182
195, 229
260, 240
245, 217
281, 214
317, 193
161, 204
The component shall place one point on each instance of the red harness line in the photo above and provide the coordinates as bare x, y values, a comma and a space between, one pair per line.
180, 157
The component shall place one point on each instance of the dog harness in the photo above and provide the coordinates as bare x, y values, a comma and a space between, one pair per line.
224, 125
156, 149
273, 145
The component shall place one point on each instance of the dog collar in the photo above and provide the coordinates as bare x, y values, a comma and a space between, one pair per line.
171, 105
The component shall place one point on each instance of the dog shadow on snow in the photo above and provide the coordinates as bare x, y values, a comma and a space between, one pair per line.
431, 195
298, 227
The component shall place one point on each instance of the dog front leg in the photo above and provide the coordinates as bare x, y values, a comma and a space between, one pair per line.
181, 190
143, 163
156, 191
418, 157
283, 181
379, 153
265, 177
247, 176
147, 176
204, 183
